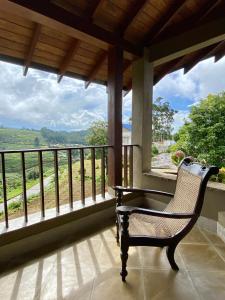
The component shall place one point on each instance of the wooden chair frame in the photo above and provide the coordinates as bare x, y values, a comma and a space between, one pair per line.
123, 213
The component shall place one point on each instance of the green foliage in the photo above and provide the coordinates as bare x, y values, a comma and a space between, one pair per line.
203, 137
155, 150
36, 142
162, 118
33, 174
63, 137
97, 134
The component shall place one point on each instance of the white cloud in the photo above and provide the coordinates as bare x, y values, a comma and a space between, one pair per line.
179, 119
38, 100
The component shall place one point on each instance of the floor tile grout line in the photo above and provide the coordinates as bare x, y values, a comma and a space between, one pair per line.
213, 246
189, 276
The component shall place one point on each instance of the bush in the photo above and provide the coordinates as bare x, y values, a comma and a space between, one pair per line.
155, 150
177, 157
221, 175
32, 175
15, 205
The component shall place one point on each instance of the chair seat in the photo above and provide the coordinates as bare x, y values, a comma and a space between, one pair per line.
142, 225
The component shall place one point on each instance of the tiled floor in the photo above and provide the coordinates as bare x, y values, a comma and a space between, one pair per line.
89, 269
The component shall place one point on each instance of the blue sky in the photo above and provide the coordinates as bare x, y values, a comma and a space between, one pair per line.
38, 100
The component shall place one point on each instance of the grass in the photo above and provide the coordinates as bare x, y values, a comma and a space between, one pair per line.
15, 209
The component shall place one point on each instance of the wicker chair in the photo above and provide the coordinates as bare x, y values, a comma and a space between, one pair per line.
144, 227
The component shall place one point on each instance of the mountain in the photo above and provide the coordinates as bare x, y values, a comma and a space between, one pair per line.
12, 138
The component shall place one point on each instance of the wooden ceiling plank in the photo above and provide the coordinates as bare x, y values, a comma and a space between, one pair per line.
130, 15
34, 41
164, 21
79, 27
100, 61
94, 7
68, 59
203, 13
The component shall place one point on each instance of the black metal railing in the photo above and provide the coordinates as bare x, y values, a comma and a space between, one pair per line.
70, 155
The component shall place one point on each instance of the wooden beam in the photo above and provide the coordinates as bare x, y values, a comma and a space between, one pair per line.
204, 54
94, 7
205, 10
202, 13
115, 86
134, 9
68, 59
164, 21
57, 18
220, 52
169, 67
34, 40
100, 61
198, 37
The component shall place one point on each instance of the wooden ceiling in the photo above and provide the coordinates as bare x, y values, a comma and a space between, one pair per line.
32, 40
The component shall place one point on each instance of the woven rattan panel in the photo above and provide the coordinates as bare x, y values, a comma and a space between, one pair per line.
184, 201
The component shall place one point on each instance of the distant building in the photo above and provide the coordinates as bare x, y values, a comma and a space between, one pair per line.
126, 134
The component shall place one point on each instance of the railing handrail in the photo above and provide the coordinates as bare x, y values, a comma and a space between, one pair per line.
61, 148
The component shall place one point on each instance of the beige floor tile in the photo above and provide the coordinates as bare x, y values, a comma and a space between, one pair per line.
221, 250
201, 258
109, 286
155, 258
214, 239
25, 282
168, 285
194, 236
109, 255
67, 281
210, 285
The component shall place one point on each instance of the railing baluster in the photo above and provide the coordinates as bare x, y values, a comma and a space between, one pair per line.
70, 177
4, 187
24, 186
131, 166
41, 180
93, 174
82, 176
125, 165
103, 173
56, 169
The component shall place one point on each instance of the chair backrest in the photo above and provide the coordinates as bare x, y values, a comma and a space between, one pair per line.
192, 179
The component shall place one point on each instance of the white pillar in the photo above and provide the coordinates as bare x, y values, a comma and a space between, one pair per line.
142, 93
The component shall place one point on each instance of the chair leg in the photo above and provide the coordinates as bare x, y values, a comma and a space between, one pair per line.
170, 255
117, 231
124, 257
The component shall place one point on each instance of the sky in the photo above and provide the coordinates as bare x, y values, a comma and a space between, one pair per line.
37, 100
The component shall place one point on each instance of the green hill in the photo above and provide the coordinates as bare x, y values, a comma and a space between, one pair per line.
12, 138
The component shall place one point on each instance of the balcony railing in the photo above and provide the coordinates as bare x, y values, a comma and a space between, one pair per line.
54, 158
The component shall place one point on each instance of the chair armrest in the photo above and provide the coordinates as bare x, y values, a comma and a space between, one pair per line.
128, 210
136, 190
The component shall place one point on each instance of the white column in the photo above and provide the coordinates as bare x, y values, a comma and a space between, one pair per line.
142, 93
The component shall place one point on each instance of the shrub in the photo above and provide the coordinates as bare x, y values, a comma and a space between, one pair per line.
155, 150
177, 157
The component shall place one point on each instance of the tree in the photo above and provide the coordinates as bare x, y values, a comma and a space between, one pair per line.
36, 142
203, 137
98, 134
162, 119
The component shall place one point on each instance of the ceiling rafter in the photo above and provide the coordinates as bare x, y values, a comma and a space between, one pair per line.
202, 14
198, 17
220, 52
131, 14
162, 24
100, 61
34, 41
68, 59
84, 29
205, 53
167, 69
94, 7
